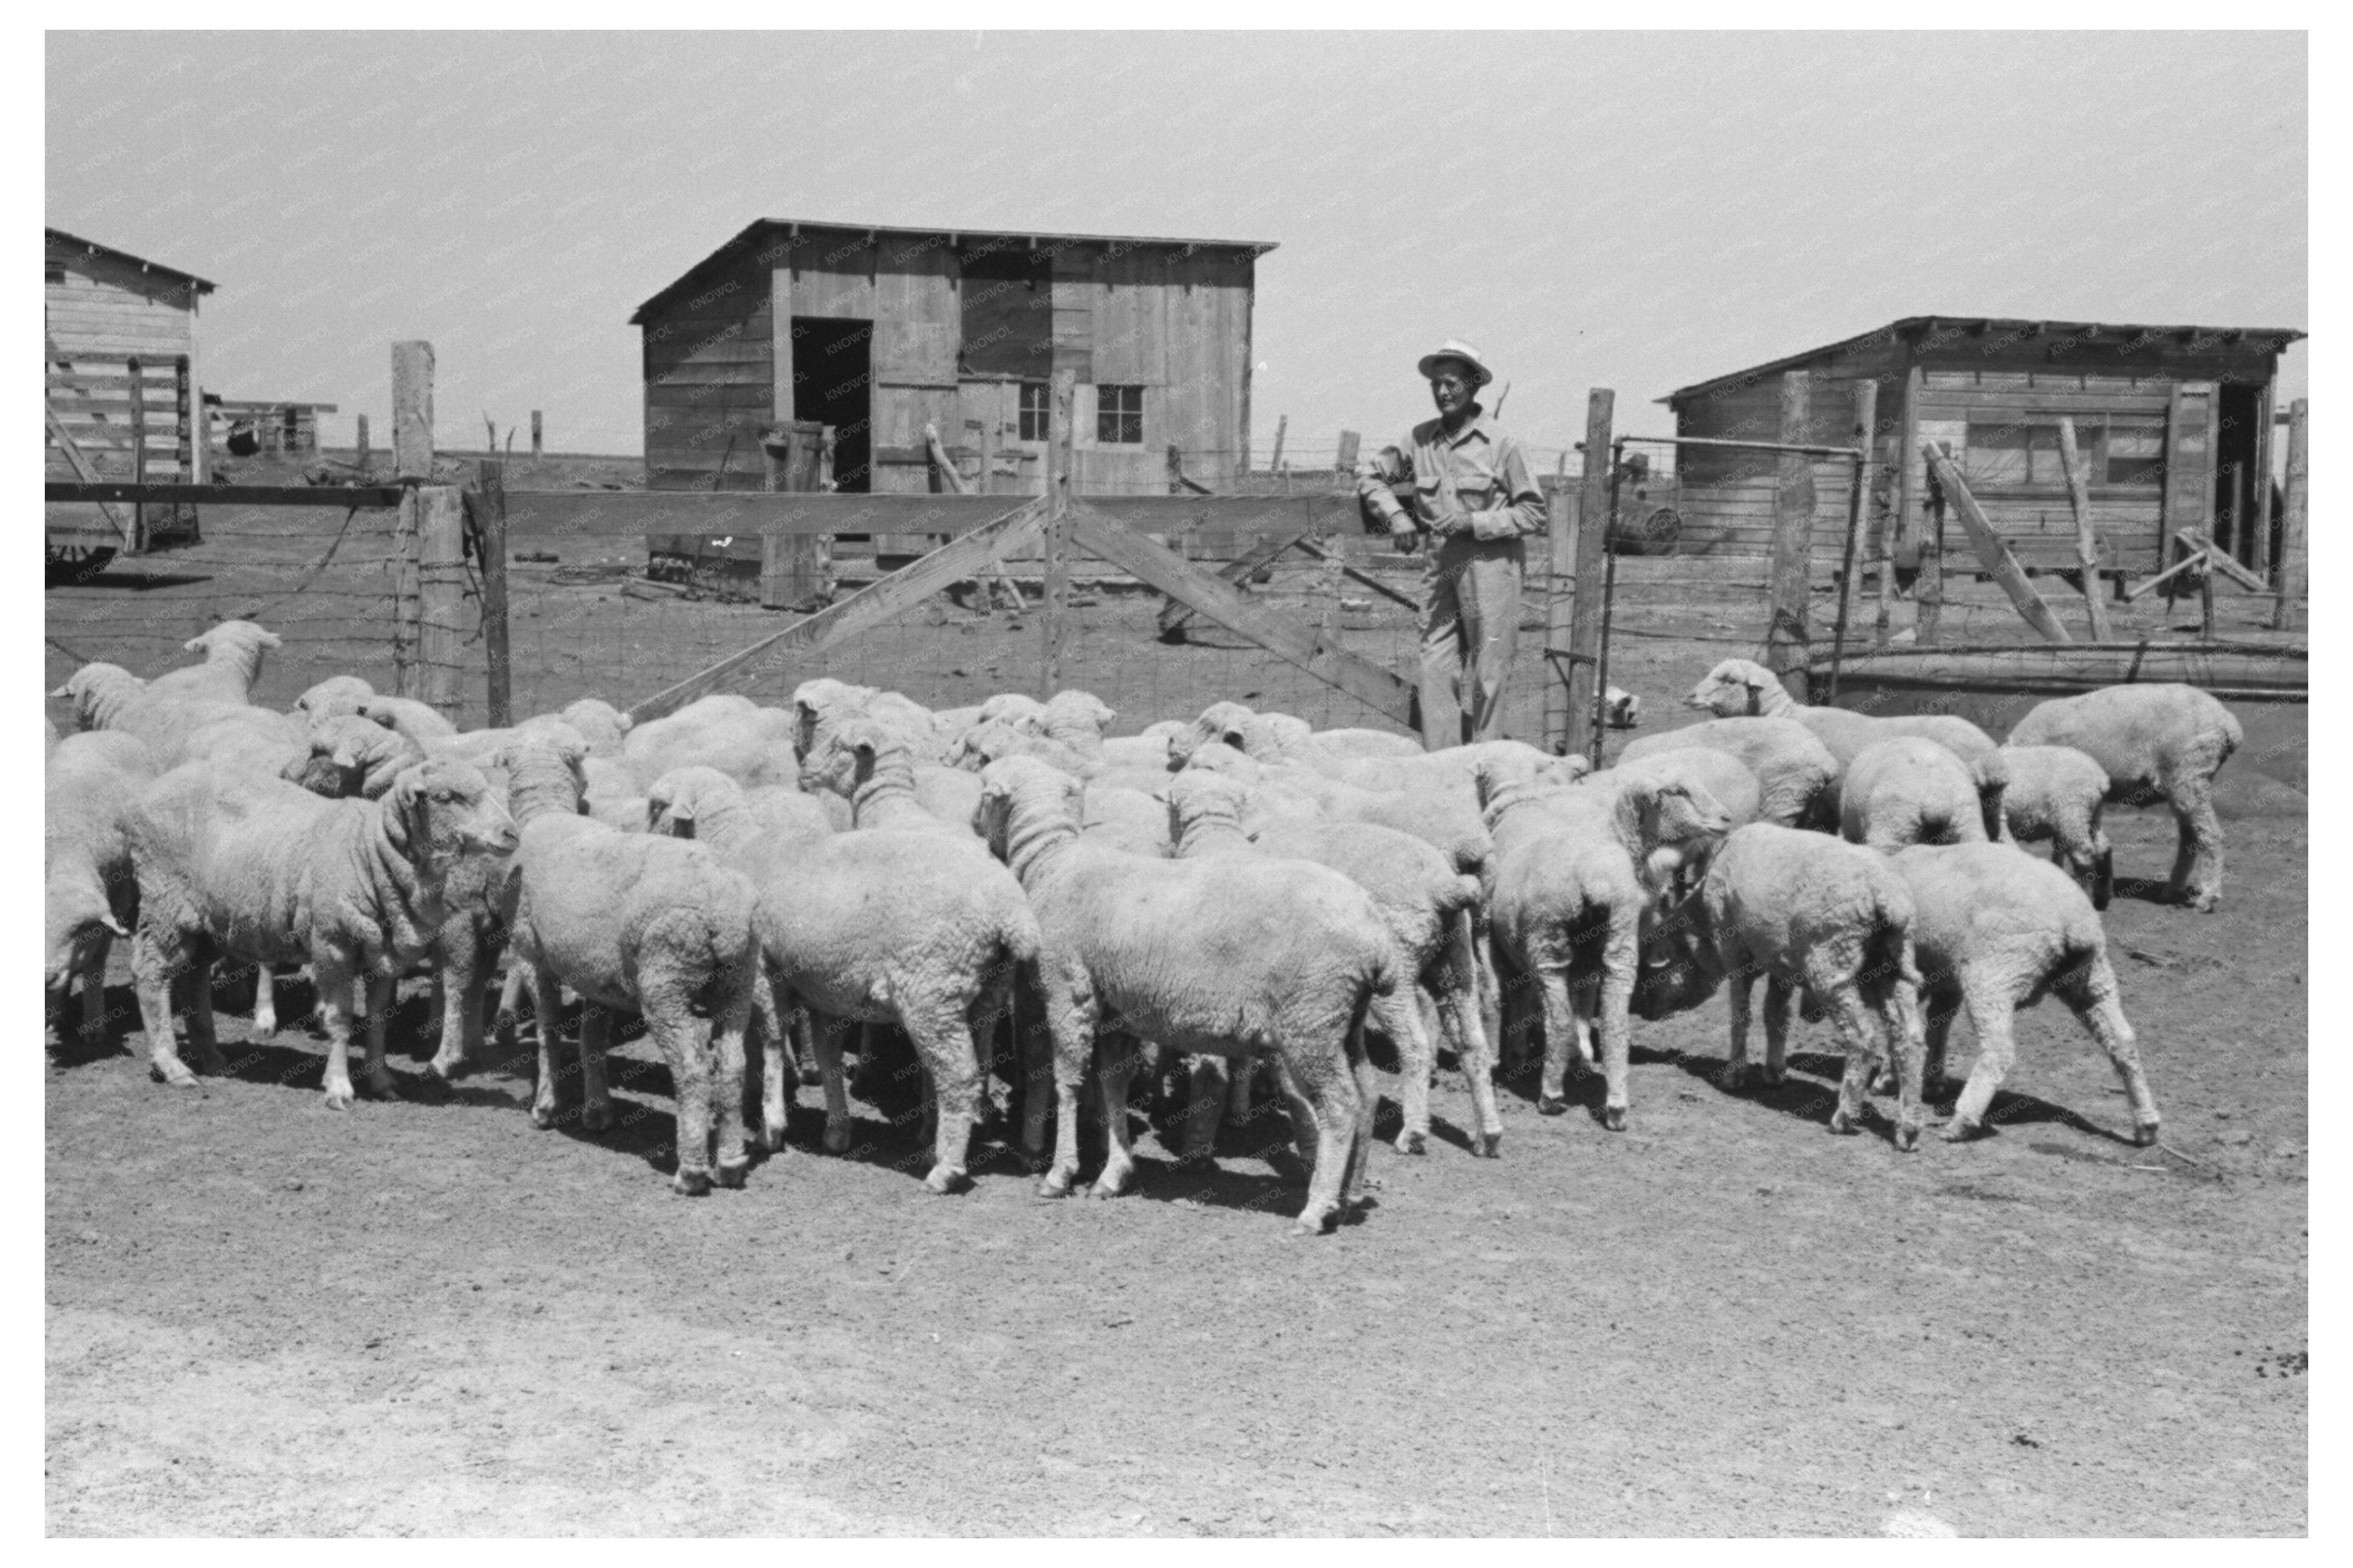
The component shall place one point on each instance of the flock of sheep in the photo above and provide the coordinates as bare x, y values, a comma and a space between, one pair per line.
1239, 890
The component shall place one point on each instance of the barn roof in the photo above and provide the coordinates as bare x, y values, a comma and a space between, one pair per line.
961, 238
58, 239
2266, 340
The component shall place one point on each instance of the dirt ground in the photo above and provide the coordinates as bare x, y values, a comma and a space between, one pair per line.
427, 1317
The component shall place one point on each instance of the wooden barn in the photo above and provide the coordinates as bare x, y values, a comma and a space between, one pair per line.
120, 379
2174, 425
878, 331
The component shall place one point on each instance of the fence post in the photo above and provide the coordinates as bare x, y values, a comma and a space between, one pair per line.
1866, 436
138, 450
360, 457
534, 435
1786, 638
2292, 562
1560, 587
1592, 535
792, 565
440, 596
491, 540
412, 411
1281, 426
1343, 459
1928, 589
1055, 608
2087, 537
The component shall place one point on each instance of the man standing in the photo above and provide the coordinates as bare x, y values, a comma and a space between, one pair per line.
1472, 492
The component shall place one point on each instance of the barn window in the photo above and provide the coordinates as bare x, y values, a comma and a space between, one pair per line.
2136, 454
2012, 453
1036, 411
1119, 416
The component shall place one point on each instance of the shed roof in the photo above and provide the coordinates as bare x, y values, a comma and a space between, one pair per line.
59, 239
961, 238
2268, 340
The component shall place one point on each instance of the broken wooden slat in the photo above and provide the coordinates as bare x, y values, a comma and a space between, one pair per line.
2087, 539
2221, 559
1995, 554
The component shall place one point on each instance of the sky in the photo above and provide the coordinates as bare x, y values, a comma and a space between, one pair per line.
1631, 210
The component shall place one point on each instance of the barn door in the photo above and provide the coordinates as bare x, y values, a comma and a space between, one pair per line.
2189, 463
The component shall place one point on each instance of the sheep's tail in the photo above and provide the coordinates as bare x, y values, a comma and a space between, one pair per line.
1890, 950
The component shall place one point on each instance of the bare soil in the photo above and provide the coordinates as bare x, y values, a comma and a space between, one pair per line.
425, 1317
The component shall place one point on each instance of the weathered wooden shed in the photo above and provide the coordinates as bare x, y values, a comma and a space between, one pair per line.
878, 331
2174, 425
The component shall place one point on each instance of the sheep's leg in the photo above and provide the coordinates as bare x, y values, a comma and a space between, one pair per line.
1853, 1022
596, 1095
1559, 1032
826, 1031
944, 1045
378, 1073
1242, 1076
1899, 1016
729, 1024
265, 1002
510, 990
1360, 1148
204, 1039
156, 960
2198, 863
1208, 1083
1622, 960
1584, 1004
1116, 1059
1991, 1014
335, 981
1739, 986
1399, 1016
1328, 1085
779, 1073
547, 1003
2104, 864
1070, 1016
1458, 1015
684, 1048
1777, 996
465, 965
2091, 994
1938, 1010
89, 965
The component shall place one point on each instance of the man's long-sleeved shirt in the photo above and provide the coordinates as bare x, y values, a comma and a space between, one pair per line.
1493, 496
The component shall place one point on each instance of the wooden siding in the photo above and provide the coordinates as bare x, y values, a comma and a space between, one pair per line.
709, 364
102, 305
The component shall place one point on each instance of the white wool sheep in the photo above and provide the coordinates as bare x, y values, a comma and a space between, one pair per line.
601, 724
233, 650
49, 736
1820, 920
102, 694
636, 922
1909, 790
1126, 819
337, 693
1566, 900
752, 744
1429, 908
420, 722
820, 705
2157, 741
2056, 795
1271, 737
1795, 775
877, 926
1440, 818
232, 863
1742, 687
350, 756
991, 739
1997, 930
871, 764
1233, 956
90, 895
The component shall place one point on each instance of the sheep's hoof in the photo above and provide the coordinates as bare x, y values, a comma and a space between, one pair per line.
339, 1097
543, 1117
947, 1179
1105, 1187
836, 1138
1054, 1184
1774, 1077
176, 1074
449, 1071
1960, 1129
772, 1138
597, 1116
2143, 1137
1613, 1117
383, 1088
1840, 1122
1194, 1159
1907, 1137
1488, 1145
731, 1172
692, 1183
1551, 1105
1314, 1222
1733, 1078
1410, 1143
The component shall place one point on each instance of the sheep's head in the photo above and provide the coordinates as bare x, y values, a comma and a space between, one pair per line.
1020, 796
819, 702
681, 798
1012, 708
98, 691
1501, 778
1217, 757
599, 722
441, 809
543, 765
1677, 817
337, 693
1734, 689
989, 742
75, 915
844, 759
232, 637
1678, 970
1199, 797
1219, 723
1083, 708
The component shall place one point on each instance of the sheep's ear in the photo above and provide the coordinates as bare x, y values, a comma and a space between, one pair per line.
66, 690
197, 644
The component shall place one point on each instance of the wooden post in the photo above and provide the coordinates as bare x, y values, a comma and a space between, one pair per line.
2206, 597
987, 485
490, 537
1560, 608
1928, 588
1176, 471
1786, 638
1995, 555
2236, 500
2292, 562
1592, 538
2259, 544
182, 435
138, 449
361, 455
534, 435
200, 434
1866, 433
2087, 538
1890, 518
1344, 460
440, 596
412, 411
1057, 534
1281, 424
792, 566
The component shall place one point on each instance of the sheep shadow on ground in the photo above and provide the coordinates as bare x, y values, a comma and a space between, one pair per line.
1813, 1097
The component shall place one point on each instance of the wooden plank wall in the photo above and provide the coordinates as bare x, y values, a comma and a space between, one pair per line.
709, 372
104, 306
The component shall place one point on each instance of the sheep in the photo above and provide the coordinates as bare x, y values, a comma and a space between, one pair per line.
875, 926
1077, 720
1797, 777
1996, 929
1907, 790
336, 693
420, 722
102, 694
1282, 737
947, 793
2158, 741
1566, 903
638, 922
825, 699
1428, 907
601, 724
871, 764
755, 745
1126, 819
90, 895
239, 735
232, 863
1240, 958
990, 738
1442, 818
233, 650
49, 736
1742, 687
1830, 921
1720, 773
350, 756
2057, 793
